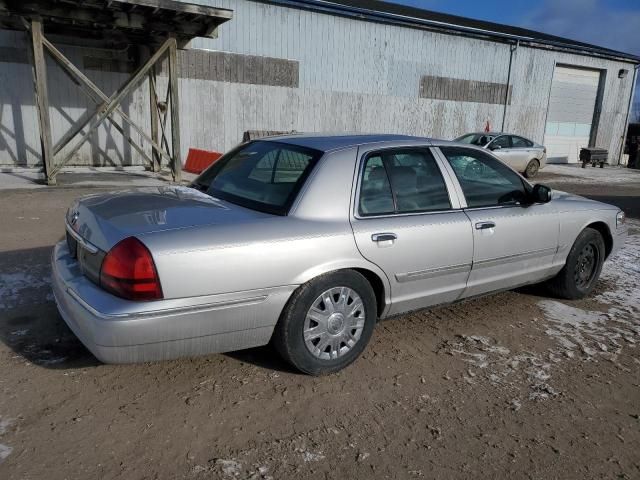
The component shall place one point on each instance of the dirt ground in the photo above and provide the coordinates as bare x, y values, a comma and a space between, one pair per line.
515, 385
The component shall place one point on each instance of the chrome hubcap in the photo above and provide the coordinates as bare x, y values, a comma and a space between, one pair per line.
334, 323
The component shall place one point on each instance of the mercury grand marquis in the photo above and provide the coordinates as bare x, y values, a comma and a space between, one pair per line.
307, 241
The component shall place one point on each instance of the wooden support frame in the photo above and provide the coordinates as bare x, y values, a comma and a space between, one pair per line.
107, 107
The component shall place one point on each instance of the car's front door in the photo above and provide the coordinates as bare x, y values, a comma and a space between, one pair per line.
501, 148
407, 220
514, 243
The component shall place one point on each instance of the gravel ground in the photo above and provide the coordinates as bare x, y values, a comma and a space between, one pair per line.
514, 385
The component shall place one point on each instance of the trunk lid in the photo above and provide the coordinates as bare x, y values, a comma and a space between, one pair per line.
105, 219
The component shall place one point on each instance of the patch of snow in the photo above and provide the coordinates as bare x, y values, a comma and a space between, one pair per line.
312, 457
622, 272
14, 285
499, 364
230, 468
5, 423
593, 175
5, 451
590, 334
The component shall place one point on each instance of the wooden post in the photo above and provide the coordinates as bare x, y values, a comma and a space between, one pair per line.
42, 100
153, 109
175, 110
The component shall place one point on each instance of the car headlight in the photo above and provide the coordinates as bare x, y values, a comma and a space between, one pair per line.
621, 218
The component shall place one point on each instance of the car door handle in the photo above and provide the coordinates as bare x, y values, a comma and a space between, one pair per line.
485, 225
384, 237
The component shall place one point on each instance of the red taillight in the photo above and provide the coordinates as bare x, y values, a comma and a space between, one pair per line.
128, 271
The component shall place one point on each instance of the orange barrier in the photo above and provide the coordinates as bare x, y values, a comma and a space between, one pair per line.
199, 160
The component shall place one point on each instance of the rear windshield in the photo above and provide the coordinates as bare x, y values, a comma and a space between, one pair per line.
480, 139
260, 175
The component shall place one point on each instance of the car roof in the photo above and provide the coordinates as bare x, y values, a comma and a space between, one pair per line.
331, 142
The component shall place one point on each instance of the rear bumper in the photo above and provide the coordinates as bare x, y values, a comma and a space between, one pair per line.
121, 331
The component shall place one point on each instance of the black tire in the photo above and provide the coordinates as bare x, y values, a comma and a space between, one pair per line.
288, 336
576, 279
532, 168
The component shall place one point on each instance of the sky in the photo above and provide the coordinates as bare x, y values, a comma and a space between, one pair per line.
608, 23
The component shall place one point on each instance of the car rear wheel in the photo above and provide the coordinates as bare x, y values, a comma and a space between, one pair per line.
327, 323
580, 273
532, 168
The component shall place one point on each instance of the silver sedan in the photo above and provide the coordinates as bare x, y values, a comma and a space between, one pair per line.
307, 241
521, 154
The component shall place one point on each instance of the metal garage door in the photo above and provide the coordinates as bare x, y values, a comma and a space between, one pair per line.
571, 106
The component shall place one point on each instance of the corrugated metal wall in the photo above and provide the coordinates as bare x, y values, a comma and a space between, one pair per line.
351, 76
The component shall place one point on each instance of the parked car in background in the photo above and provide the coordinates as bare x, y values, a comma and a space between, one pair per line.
521, 154
307, 241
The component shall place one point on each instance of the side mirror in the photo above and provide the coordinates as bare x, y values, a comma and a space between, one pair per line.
541, 194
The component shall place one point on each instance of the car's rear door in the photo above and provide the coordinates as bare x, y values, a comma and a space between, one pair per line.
513, 244
522, 151
407, 220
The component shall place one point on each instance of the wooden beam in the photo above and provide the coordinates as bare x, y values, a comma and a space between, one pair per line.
42, 100
153, 110
175, 109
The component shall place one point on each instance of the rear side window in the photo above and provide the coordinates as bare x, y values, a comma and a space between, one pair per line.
519, 142
402, 181
485, 181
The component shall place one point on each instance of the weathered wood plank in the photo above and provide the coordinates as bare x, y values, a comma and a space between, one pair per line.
175, 110
42, 100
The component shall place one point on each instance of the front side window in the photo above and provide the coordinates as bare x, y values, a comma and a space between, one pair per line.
262, 175
485, 181
402, 181
502, 142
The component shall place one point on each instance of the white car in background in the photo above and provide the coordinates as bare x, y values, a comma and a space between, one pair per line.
521, 154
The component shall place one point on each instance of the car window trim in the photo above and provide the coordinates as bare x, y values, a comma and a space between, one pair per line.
382, 152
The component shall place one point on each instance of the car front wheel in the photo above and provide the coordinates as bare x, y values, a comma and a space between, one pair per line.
327, 323
580, 273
